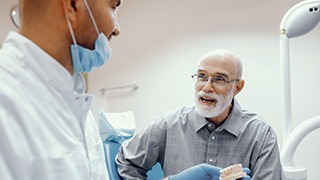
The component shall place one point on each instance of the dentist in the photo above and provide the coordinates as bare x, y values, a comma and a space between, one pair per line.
46, 129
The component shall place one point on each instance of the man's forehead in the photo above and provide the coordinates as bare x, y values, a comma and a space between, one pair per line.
212, 60
216, 65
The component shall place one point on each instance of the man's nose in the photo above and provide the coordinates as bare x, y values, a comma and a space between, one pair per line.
208, 86
116, 31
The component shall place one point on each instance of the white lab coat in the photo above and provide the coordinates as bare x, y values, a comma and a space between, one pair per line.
46, 130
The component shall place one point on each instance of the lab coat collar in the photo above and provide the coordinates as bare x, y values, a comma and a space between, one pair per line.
79, 84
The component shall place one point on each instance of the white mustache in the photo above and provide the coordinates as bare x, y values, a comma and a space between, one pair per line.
209, 95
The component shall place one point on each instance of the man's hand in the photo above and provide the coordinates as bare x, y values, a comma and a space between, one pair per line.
204, 172
201, 171
247, 171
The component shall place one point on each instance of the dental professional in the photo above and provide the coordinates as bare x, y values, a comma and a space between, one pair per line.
46, 129
215, 131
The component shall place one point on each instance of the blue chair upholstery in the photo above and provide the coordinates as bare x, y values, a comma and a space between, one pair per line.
155, 173
111, 150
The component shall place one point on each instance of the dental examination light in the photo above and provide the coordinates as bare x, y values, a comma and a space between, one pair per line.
298, 20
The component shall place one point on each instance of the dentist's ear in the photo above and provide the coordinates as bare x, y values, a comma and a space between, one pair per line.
70, 8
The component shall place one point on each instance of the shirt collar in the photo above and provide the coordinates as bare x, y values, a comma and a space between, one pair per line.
199, 122
231, 124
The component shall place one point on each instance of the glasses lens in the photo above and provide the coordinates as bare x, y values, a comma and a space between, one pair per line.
219, 80
194, 78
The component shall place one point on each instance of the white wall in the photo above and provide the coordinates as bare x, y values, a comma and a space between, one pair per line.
6, 24
161, 42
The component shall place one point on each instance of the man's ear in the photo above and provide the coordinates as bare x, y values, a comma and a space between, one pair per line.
239, 86
70, 8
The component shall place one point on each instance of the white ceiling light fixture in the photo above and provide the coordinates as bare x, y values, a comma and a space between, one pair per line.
298, 20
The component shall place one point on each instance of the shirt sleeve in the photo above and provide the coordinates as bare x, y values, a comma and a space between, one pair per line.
4, 170
138, 155
15, 159
268, 164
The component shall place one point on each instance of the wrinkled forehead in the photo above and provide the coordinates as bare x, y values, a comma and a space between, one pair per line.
213, 64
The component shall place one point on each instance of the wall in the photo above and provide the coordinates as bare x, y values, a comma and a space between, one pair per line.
6, 24
162, 41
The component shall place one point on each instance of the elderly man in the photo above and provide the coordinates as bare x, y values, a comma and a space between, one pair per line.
46, 130
215, 131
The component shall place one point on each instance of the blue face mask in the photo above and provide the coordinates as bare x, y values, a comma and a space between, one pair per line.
85, 59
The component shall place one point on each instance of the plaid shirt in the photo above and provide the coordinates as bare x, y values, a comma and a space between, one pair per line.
182, 139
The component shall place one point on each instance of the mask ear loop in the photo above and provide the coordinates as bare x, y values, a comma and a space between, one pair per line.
91, 16
76, 54
71, 32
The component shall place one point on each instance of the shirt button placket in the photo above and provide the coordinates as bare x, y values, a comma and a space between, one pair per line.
212, 148
210, 159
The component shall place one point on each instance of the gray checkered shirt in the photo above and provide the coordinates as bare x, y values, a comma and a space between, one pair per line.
181, 139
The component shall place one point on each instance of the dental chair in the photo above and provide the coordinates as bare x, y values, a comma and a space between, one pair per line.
111, 149
114, 129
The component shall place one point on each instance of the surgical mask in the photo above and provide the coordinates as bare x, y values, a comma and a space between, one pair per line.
85, 59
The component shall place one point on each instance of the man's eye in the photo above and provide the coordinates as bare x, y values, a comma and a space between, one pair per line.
220, 78
201, 76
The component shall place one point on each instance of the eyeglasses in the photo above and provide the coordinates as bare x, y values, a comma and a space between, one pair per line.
201, 79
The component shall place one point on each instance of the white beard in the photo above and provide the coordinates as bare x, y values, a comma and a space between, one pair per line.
212, 111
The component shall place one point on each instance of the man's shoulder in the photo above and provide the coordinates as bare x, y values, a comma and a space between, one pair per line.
252, 117
12, 71
180, 112
176, 116
255, 122
10, 59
